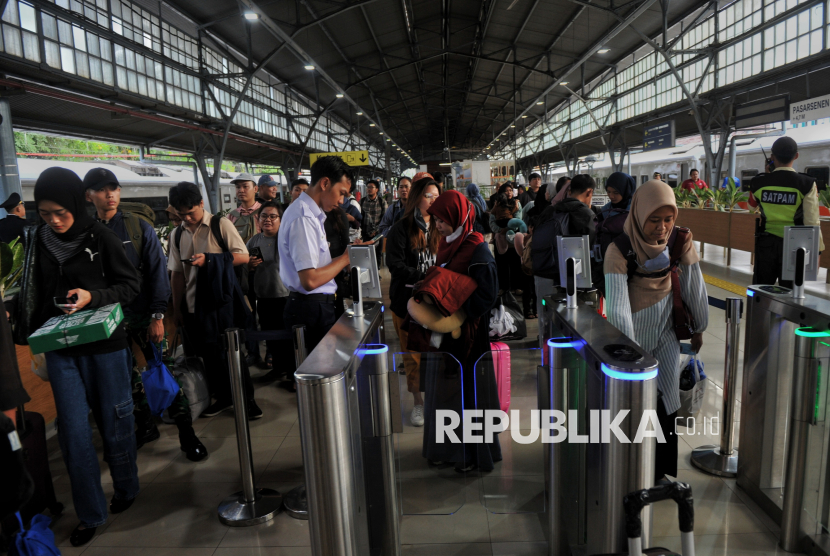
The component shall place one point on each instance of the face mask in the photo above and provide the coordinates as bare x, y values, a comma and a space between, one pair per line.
659, 262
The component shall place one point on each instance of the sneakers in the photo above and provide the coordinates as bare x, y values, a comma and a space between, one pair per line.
118, 505
417, 416
254, 412
216, 408
193, 448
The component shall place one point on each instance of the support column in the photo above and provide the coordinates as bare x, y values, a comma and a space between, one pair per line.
9, 174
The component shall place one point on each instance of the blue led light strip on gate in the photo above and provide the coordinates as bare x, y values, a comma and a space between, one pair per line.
373, 349
561, 343
620, 375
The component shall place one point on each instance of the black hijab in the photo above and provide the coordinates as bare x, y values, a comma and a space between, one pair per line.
541, 202
65, 188
625, 185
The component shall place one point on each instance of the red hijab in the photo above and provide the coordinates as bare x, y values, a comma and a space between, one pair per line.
456, 251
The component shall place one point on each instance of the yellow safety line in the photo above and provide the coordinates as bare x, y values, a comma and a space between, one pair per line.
724, 285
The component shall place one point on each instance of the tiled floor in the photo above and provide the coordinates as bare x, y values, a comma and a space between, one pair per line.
445, 513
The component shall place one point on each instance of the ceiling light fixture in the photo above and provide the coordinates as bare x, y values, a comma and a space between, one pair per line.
309, 67
540, 103
603, 51
524, 116
359, 113
339, 95
371, 125
381, 133
251, 16
564, 83
512, 125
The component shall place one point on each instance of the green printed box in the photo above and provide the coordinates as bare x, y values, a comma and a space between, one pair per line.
78, 328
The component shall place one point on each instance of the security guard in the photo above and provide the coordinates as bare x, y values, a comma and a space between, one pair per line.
12, 225
786, 198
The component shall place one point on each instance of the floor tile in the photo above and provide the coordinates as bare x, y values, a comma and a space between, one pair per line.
135, 551
223, 463
520, 549
264, 551
466, 549
180, 514
286, 465
756, 544
283, 530
467, 525
513, 527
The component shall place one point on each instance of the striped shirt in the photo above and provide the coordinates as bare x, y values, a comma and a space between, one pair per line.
652, 327
61, 250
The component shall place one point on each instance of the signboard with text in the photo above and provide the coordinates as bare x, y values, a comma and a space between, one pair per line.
352, 158
811, 109
658, 136
768, 110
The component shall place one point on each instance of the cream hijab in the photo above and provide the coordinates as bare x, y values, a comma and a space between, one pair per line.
649, 197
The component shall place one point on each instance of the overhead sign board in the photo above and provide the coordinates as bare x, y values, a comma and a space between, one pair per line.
658, 136
812, 109
352, 158
770, 110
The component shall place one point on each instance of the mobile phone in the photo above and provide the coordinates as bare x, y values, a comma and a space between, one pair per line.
377, 237
187, 261
65, 302
255, 252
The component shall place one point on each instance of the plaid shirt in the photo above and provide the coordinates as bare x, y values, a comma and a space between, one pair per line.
373, 211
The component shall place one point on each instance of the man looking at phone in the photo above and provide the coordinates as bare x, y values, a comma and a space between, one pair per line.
306, 267
144, 316
201, 233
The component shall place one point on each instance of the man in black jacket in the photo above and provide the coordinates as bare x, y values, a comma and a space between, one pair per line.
144, 316
12, 225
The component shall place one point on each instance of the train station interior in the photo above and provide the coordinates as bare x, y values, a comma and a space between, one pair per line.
486, 92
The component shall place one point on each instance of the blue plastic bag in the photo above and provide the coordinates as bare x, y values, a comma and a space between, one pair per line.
160, 385
39, 540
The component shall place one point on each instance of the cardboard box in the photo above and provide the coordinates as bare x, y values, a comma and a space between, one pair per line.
83, 327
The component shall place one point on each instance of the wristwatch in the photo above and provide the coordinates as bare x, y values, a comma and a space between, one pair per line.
157, 316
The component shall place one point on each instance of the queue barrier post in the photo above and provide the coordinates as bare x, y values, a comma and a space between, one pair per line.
296, 500
251, 505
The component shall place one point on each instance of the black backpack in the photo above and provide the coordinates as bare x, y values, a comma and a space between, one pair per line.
608, 230
241, 271
544, 252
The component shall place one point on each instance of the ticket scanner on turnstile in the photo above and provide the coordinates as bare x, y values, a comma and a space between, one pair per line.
784, 436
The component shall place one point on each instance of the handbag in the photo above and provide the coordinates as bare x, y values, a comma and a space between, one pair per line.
190, 372
159, 384
692, 389
507, 321
38, 540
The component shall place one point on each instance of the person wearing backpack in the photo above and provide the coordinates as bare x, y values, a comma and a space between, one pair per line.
202, 234
656, 296
145, 315
620, 188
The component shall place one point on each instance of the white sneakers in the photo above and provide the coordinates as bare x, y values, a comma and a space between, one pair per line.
417, 417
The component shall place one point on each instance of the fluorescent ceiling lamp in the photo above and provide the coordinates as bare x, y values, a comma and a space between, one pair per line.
564, 83
540, 103
511, 125
339, 95
524, 116
251, 16
445, 164
359, 113
603, 51
371, 125
309, 67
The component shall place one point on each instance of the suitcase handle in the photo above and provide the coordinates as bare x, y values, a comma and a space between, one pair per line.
636, 501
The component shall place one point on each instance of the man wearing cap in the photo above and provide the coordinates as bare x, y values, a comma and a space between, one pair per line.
786, 198
244, 218
144, 316
12, 225
267, 189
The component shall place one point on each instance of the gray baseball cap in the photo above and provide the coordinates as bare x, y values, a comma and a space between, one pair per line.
244, 177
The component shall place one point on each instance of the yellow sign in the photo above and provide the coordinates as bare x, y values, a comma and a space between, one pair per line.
352, 158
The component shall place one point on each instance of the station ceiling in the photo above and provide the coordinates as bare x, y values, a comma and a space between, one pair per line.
436, 74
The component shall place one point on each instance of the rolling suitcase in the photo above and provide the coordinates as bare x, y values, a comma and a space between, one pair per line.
636, 501
501, 367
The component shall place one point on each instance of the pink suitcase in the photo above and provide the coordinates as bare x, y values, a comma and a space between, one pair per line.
501, 367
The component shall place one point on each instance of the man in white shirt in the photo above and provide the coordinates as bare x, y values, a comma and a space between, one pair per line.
306, 266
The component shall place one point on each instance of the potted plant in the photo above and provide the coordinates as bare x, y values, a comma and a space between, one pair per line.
731, 195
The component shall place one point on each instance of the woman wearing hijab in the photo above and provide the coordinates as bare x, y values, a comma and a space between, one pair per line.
411, 246
641, 307
474, 195
464, 251
80, 258
620, 188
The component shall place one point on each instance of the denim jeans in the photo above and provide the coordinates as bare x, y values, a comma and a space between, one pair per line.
100, 383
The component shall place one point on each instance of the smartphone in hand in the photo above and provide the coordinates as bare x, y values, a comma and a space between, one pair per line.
255, 252
66, 302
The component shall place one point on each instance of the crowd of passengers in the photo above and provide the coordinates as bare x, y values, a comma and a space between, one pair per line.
273, 265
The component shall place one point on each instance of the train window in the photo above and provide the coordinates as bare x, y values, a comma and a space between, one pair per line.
821, 173
643, 179
672, 180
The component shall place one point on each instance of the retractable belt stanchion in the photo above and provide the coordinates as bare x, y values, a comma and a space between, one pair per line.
802, 415
723, 460
252, 505
296, 500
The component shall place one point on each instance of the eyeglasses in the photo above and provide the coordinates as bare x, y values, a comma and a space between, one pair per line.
269, 216
429, 195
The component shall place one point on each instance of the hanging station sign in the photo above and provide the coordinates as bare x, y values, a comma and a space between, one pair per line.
659, 136
809, 110
352, 158
770, 110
